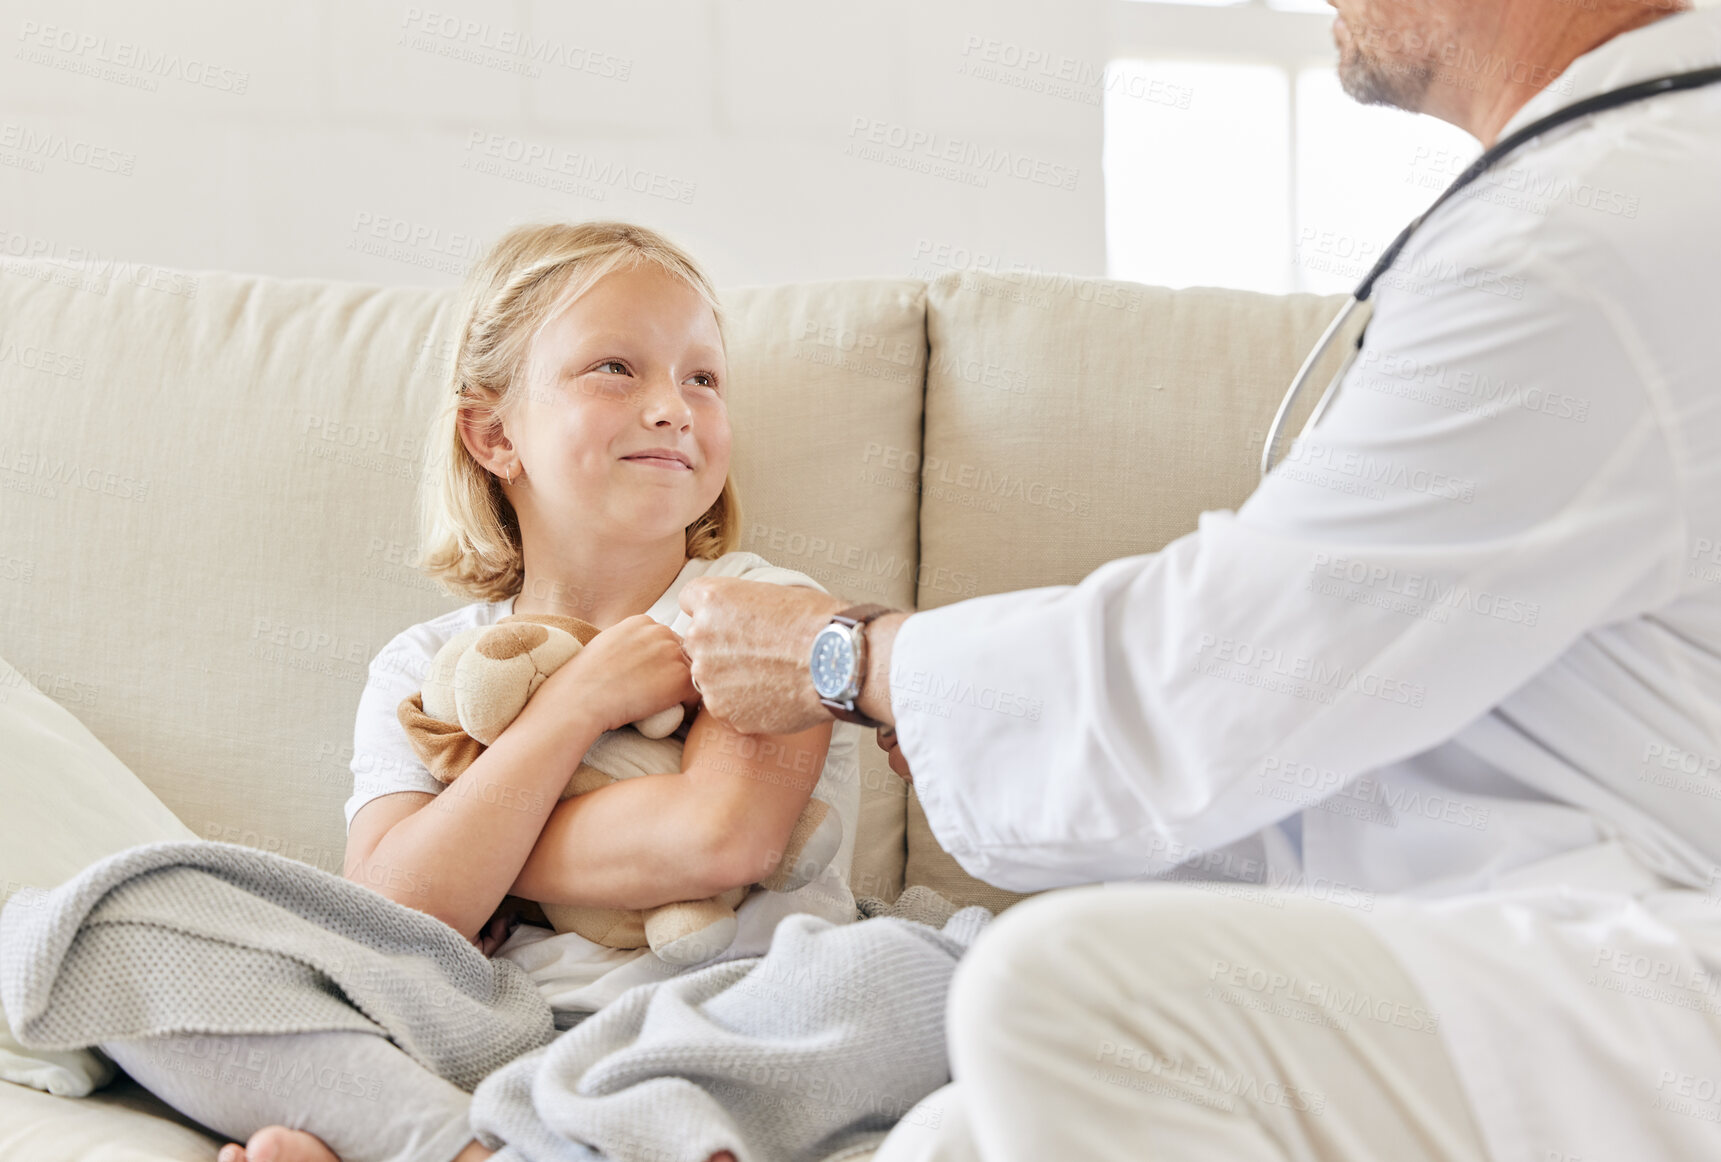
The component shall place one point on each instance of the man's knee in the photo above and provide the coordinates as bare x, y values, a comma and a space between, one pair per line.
1029, 955
1098, 945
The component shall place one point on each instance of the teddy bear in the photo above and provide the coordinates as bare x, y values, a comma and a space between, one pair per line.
480, 680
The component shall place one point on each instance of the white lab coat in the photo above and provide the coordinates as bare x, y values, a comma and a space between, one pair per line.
1463, 644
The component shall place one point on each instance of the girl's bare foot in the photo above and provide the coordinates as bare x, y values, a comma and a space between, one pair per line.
278, 1144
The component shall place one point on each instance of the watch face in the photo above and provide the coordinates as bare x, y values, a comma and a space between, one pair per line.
833, 662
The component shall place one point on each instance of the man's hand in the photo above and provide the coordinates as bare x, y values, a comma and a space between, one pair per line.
749, 645
494, 935
893, 753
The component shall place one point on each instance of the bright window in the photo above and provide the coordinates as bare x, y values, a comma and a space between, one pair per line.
1265, 175
1197, 174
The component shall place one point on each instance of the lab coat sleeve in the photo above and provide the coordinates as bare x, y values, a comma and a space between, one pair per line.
1492, 482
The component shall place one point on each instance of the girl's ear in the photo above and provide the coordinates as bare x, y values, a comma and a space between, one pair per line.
488, 443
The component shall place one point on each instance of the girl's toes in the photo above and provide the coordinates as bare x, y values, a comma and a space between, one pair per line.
231, 1152
279, 1144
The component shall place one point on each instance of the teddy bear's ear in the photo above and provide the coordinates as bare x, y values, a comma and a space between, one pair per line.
443, 747
583, 631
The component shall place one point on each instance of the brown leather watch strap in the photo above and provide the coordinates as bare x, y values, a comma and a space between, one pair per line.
861, 614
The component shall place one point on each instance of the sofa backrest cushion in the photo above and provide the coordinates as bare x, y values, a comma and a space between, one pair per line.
1070, 422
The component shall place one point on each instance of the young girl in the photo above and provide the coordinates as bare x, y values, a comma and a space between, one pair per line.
580, 467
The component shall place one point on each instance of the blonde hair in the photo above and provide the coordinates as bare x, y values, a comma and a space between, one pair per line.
468, 529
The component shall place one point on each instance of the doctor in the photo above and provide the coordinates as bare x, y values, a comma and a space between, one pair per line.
1434, 717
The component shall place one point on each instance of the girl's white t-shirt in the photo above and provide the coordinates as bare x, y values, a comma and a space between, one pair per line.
571, 972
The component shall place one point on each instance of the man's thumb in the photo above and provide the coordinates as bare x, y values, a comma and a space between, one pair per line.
693, 595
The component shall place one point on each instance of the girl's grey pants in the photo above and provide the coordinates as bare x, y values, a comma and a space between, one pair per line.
367, 1100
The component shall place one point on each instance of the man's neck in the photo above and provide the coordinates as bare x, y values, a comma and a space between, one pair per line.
1481, 100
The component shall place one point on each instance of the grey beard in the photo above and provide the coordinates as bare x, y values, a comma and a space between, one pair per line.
1401, 85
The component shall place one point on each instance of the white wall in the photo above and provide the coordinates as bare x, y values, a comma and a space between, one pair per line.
283, 138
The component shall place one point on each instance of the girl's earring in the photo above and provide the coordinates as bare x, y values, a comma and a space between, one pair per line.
510, 474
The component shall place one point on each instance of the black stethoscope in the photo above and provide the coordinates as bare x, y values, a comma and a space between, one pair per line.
1612, 99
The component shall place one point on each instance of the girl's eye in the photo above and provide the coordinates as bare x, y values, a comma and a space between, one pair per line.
703, 379
621, 368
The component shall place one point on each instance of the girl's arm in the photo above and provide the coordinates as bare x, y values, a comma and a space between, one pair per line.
719, 823
400, 844
454, 854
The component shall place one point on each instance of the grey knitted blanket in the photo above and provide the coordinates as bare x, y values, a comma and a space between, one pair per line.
194, 936
811, 1051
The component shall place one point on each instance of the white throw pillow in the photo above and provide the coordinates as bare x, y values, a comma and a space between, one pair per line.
65, 802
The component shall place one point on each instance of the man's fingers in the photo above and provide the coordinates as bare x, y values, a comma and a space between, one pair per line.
892, 749
698, 594
695, 690
900, 765
694, 595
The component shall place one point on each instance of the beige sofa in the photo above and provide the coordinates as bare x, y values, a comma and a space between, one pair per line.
208, 489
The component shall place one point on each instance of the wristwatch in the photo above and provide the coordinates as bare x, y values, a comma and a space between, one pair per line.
839, 662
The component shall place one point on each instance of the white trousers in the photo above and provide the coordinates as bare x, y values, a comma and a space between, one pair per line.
1178, 1023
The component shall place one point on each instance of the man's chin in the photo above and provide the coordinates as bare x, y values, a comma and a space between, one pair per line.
1369, 83
1356, 79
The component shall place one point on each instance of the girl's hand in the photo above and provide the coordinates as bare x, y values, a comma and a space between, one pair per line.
629, 671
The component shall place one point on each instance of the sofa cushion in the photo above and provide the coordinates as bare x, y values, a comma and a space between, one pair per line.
825, 373
68, 802
122, 1123
208, 527
1073, 421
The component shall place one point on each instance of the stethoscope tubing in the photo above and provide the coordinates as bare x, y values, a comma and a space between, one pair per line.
1612, 99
